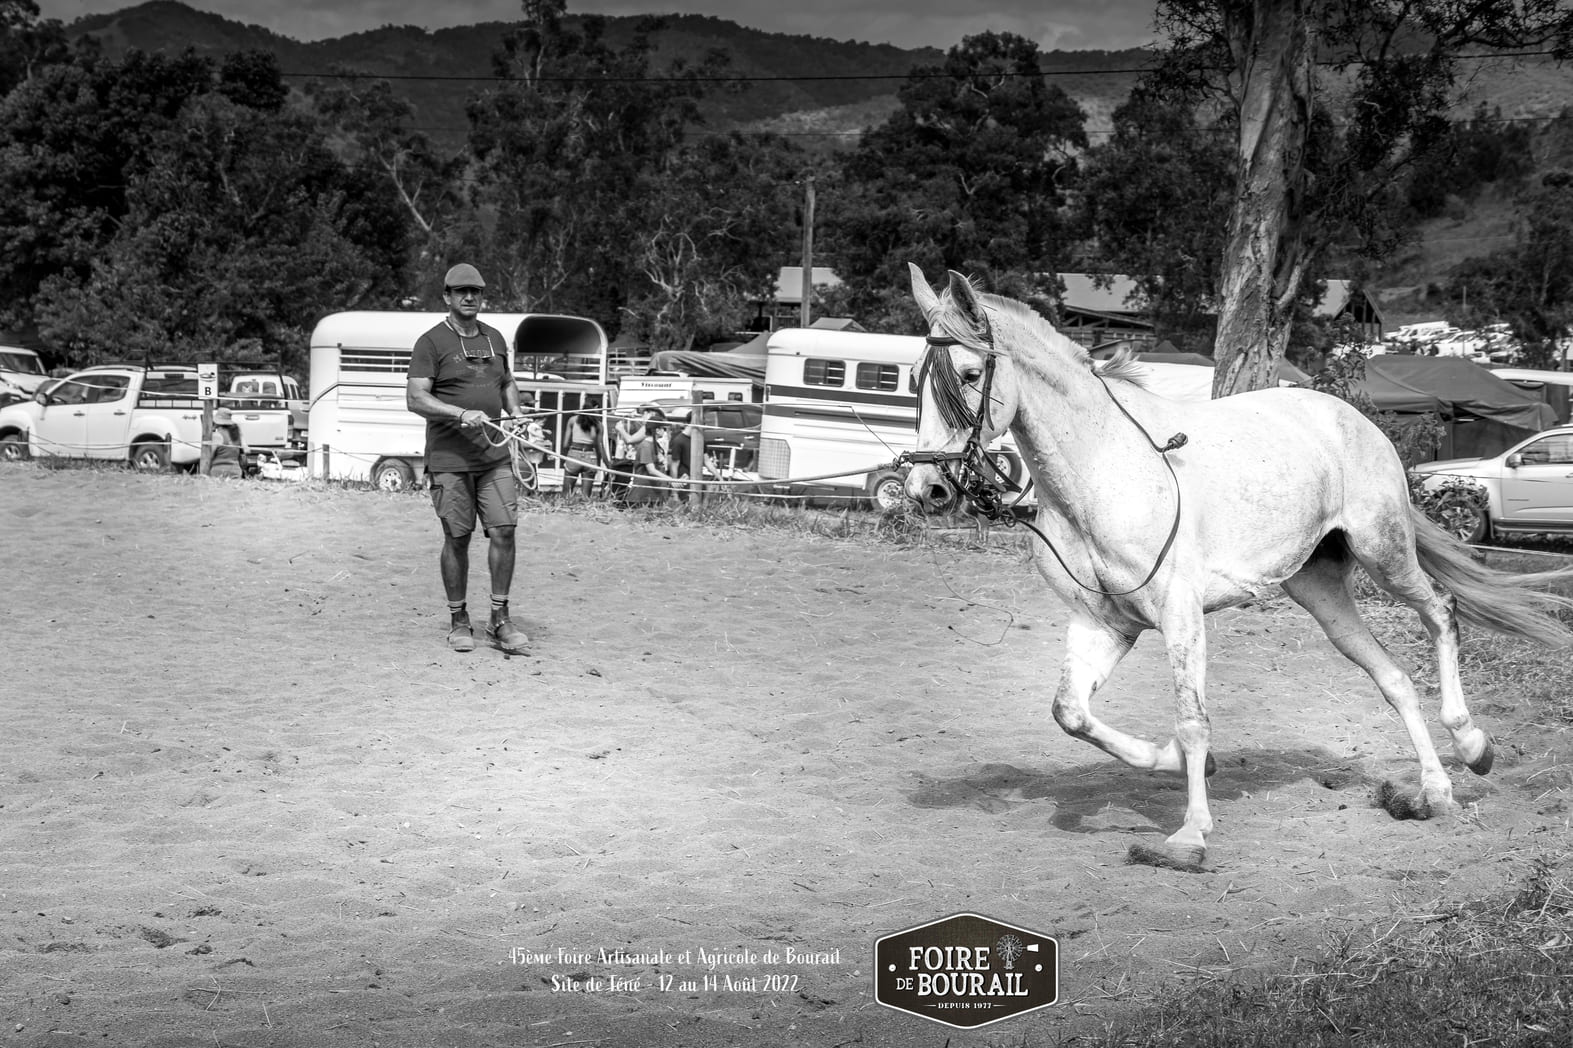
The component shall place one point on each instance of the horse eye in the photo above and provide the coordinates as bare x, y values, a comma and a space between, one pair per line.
971, 375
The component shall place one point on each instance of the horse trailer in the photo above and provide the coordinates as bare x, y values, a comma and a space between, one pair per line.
360, 427
839, 407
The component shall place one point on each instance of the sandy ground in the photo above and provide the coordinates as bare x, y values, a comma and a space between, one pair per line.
248, 797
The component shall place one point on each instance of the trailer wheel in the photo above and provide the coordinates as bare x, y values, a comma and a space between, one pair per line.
1008, 465
150, 457
393, 474
887, 491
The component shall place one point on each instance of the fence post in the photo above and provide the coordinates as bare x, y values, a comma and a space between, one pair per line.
205, 466
696, 450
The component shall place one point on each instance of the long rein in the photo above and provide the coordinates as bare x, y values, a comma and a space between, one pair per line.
984, 493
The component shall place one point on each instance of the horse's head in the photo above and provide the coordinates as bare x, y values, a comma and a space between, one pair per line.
964, 386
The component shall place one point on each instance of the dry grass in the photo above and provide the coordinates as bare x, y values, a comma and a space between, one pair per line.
1497, 973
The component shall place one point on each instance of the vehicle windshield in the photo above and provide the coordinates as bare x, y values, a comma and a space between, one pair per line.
26, 363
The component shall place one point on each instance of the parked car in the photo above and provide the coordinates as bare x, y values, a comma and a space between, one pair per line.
150, 417
1527, 489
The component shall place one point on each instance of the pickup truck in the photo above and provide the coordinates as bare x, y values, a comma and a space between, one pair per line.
1526, 489
270, 410
147, 416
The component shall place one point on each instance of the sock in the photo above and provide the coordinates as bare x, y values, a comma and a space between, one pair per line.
456, 609
499, 606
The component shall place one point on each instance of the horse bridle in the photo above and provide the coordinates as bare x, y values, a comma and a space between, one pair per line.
968, 470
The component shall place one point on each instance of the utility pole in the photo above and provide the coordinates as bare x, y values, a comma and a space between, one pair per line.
808, 253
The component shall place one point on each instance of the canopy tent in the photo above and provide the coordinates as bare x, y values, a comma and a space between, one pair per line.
1483, 415
1451, 386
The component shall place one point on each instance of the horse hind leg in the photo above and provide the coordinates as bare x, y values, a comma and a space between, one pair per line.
1321, 587
1401, 575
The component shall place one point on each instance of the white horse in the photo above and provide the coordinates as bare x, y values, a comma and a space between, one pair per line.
1280, 487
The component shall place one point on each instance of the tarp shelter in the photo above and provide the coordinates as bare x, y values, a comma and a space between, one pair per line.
744, 361
1481, 413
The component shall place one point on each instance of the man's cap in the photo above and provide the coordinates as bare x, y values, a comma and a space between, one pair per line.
463, 275
223, 416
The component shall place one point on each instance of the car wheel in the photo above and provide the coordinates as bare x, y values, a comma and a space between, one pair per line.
393, 475
887, 491
1464, 519
150, 458
14, 449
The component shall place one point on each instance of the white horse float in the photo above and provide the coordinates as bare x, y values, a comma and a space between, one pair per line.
1280, 487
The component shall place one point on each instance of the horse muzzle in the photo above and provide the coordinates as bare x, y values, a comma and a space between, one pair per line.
929, 488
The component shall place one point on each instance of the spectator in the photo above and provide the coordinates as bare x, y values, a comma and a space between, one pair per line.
229, 448
649, 483
582, 458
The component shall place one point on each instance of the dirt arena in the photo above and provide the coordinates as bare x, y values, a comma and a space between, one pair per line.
248, 797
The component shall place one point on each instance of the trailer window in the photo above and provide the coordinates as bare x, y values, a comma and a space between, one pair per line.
824, 372
883, 377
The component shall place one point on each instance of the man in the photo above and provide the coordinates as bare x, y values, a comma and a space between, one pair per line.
460, 380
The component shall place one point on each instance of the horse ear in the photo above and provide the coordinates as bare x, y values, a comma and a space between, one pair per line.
965, 300
928, 302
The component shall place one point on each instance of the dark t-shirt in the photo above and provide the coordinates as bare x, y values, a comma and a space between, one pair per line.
679, 451
471, 384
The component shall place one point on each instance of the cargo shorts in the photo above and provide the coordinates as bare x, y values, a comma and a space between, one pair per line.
490, 494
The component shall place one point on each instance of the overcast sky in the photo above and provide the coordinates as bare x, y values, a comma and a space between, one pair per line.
1065, 25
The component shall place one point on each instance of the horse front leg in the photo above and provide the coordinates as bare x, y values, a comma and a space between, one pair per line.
1092, 650
1185, 635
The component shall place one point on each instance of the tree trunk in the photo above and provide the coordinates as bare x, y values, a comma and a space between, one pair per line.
1263, 263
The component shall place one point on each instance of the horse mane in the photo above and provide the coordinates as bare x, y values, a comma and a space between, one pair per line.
1122, 366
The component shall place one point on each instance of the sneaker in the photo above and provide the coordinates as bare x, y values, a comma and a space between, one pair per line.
461, 637
509, 638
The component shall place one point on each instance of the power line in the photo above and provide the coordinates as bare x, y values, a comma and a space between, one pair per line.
799, 78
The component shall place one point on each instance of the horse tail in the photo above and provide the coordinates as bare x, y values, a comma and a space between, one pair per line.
1500, 601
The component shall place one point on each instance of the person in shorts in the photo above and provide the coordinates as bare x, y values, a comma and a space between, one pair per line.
582, 456
461, 381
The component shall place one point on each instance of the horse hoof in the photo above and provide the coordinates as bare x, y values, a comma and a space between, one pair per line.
1168, 857
1482, 764
1401, 805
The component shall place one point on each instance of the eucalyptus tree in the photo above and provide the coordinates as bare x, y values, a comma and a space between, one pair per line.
570, 146
376, 130
28, 42
717, 229
1331, 99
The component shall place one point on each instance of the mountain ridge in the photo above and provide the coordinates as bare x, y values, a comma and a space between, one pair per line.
788, 74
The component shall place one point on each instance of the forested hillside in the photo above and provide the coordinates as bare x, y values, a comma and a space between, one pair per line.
175, 182
844, 84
